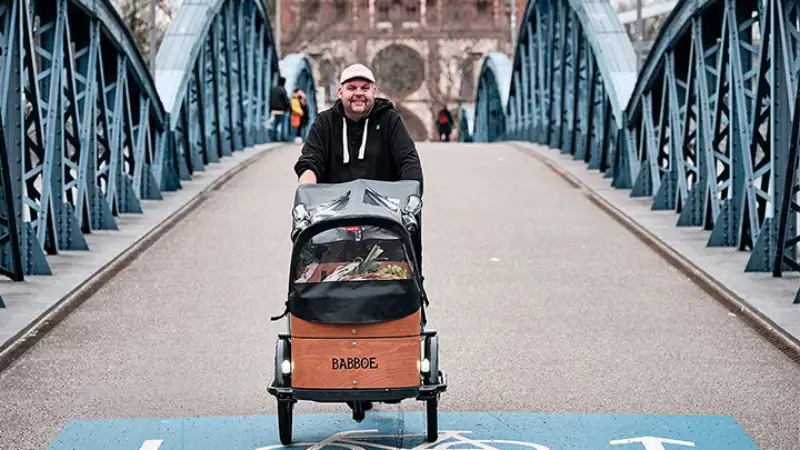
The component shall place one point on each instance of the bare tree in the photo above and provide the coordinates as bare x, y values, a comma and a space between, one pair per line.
651, 27
329, 63
136, 15
311, 23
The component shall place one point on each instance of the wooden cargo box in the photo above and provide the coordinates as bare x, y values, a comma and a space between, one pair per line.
371, 356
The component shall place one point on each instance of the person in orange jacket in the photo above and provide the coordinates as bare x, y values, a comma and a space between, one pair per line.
299, 113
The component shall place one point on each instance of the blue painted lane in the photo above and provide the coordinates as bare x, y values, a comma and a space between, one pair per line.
386, 431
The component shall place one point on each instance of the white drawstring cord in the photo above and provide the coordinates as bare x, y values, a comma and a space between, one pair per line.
346, 149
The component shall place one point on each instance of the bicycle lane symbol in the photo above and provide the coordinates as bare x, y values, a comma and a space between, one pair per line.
355, 440
359, 440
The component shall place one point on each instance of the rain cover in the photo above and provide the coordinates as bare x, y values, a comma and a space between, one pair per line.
356, 198
358, 274
354, 274
355, 253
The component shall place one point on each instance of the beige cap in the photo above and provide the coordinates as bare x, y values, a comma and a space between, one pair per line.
356, 71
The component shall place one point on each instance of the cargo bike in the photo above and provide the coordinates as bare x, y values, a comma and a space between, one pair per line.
356, 305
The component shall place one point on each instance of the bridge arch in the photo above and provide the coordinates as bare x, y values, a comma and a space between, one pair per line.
729, 165
491, 98
297, 70
214, 71
573, 70
87, 134
466, 123
83, 128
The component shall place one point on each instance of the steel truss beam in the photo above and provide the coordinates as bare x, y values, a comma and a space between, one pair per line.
491, 100
568, 85
719, 145
83, 129
86, 134
214, 70
709, 131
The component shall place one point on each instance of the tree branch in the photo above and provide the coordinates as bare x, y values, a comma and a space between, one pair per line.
302, 36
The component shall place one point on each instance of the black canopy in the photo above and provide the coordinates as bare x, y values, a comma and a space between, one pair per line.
331, 207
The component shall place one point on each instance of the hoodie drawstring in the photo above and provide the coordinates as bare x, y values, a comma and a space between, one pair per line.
346, 149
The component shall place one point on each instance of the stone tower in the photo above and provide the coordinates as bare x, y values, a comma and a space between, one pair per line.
419, 50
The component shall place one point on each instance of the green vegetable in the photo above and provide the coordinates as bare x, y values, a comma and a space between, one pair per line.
395, 270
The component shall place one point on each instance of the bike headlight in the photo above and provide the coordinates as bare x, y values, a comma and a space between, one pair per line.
425, 366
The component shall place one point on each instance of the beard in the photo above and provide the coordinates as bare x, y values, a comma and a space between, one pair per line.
358, 107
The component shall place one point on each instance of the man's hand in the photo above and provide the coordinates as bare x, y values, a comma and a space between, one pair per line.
308, 177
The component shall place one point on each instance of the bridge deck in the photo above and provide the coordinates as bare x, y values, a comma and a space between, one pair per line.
543, 302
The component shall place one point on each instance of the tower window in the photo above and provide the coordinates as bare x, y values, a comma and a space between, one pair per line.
341, 9
411, 10
383, 10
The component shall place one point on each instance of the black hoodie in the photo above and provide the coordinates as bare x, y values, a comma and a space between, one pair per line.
388, 154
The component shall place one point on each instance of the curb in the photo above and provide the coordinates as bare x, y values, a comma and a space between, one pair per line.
761, 324
38, 328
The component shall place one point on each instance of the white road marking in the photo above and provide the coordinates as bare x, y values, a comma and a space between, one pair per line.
151, 444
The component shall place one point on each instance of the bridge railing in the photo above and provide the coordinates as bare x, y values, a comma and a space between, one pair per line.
83, 128
709, 128
86, 133
491, 98
573, 70
714, 126
213, 70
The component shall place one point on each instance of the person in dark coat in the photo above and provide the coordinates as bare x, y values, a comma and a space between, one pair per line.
444, 124
279, 106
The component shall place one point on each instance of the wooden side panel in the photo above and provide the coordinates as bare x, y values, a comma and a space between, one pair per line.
405, 327
355, 363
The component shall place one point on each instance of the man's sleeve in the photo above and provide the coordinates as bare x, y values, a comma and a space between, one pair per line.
312, 157
404, 152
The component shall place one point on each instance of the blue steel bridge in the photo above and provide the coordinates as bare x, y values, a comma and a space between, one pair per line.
707, 129
143, 227
89, 133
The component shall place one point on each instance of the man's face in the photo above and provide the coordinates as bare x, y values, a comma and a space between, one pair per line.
357, 96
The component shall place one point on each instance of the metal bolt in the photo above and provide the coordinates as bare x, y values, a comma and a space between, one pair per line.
355, 382
354, 344
354, 331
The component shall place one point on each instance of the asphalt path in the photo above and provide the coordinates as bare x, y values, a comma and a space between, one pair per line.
543, 303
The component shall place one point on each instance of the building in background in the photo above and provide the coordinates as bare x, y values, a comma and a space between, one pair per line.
419, 50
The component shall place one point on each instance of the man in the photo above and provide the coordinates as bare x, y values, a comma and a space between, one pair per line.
278, 105
359, 137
